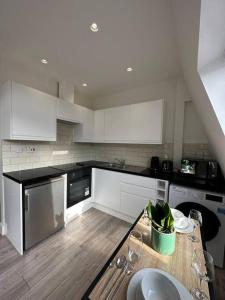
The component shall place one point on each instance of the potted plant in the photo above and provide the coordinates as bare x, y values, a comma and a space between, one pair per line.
163, 235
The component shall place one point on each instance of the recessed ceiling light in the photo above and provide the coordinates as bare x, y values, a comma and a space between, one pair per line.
84, 84
94, 27
129, 69
44, 61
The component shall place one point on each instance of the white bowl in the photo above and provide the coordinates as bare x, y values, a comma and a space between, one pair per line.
157, 286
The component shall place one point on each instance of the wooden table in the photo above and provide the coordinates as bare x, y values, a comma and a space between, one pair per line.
178, 265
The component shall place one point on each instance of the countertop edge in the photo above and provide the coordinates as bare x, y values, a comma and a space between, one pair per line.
33, 180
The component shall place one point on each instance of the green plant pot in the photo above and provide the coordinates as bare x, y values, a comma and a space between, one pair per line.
163, 243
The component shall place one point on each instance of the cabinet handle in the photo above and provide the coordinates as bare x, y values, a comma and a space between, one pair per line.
26, 202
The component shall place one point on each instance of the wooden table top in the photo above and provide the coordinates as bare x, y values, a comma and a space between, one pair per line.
178, 264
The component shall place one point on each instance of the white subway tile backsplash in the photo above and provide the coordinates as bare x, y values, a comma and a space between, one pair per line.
16, 156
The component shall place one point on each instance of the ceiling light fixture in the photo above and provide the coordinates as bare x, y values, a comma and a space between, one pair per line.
94, 27
44, 61
129, 69
84, 84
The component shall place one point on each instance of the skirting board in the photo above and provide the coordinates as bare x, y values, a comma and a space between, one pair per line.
77, 210
3, 229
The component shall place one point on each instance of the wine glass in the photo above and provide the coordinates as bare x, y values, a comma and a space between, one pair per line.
196, 218
205, 272
145, 217
135, 245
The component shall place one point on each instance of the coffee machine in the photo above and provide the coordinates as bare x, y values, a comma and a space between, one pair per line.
154, 166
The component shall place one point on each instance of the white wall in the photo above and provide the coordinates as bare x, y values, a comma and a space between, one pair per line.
212, 33
194, 132
213, 78
187, 17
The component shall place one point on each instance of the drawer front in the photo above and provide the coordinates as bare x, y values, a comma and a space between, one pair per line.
132, 205
139, 180
138, 190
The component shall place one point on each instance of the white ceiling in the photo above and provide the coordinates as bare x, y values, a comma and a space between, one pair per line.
137, 33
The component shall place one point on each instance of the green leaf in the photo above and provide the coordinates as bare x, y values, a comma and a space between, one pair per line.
161, 216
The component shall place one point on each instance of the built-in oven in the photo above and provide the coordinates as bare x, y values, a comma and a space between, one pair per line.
78, 186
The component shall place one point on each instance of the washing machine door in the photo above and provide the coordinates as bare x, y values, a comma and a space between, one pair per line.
210, 221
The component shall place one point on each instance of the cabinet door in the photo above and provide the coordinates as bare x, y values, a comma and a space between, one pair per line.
133, 198
147, 122
117, 124
132, 205
67, 111
99, 125
107, 189
84, 131
33, 114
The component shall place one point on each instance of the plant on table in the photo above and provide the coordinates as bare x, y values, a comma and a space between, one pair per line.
161, 217
163, 236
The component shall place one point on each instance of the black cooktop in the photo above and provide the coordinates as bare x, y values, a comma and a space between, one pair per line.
31, 175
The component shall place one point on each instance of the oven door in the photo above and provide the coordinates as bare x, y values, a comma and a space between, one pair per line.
78, 190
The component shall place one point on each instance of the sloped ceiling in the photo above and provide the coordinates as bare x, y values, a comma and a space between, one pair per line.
211, 56
187, 16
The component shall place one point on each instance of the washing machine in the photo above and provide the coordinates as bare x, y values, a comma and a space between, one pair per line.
215, 203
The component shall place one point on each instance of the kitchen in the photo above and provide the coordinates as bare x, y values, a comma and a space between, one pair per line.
50, 120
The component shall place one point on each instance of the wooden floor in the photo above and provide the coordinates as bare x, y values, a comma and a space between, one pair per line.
63, 266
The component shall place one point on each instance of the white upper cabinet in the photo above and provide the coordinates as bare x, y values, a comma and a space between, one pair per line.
117, 124
84, 131
147, 122
99, 125
27, 114
140, 123
67, 111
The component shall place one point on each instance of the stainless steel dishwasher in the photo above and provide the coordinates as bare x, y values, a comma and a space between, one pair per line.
43, 210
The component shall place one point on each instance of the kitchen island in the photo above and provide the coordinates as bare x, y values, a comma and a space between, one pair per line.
178, 264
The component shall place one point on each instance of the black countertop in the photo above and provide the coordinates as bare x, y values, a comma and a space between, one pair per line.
135, 170
32, 175
217, 186
67, 168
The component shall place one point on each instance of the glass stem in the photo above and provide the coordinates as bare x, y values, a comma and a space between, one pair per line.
200, 281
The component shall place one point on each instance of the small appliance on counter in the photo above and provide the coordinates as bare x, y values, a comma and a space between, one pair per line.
154, 166
213, 170
200, 168
188, 166
167, 166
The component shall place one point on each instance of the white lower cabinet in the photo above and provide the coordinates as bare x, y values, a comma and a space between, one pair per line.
123, 195
135, 193
132, 205
107, 189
